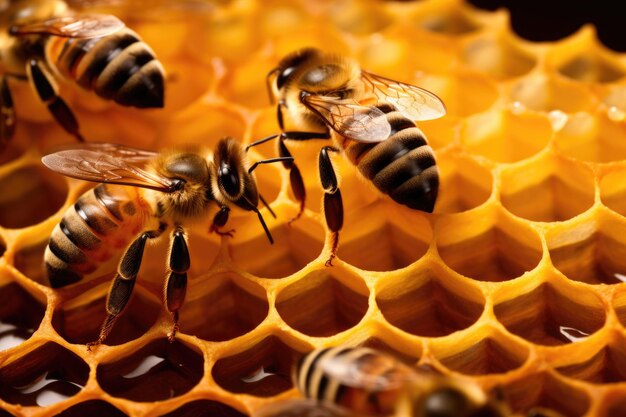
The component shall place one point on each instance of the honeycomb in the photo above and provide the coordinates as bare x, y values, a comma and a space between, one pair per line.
516, 281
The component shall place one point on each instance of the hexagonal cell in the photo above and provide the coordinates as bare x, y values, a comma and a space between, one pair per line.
594, 138
204, 408
551, 315
233, 306
30, 195
429, 302
323, 303
452, 21
384, 236
614, 405
44, 376
262, 370
498, 57
590, 66
498, 248
155, 372
79, 320
20, 315
464, 93
92, 408
4, 413
463, 184
545, 93
410, 358
29, 261
590, 252
547, 391
506, 135
548, 189
294, 246
495, 354
360, 17
605, 366
619, 305
244, 83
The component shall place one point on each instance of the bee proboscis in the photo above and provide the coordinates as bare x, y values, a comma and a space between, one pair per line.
143, 194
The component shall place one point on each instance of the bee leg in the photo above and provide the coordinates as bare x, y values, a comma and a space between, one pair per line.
124, 282
47, 93
176, 285
333, 204
7, 114
220, 219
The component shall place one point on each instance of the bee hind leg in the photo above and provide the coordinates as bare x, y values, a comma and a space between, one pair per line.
122, 287
7, 114
176, 284
333, 203
47, 92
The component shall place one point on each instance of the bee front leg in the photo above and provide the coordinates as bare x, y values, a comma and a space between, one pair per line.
333, 203
7, 114
176, 285
220, 219
47, 92
124, 282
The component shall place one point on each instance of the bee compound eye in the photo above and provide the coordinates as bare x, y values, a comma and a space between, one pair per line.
228, 180
283, 76
444, 402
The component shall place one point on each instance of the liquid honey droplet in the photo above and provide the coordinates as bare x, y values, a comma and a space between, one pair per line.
517, 107
558, 119
616, 114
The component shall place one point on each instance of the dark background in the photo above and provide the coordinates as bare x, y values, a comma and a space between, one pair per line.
549, 20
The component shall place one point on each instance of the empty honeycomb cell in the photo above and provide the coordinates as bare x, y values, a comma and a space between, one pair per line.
619, 305
91, 408
590, 253
613, 190
547, 391
221, 307
43, 376
498, 56
295, 246
590, 66
463, 183
187, 81
388, 55
495, 354
409, 357
548, 189
204, 408
30, 195
614, 405
594, 138
360, 17
157, 371
453, 21
374, 240
544, 93
607, 365
20, 314
79, 319
506, 135
241, 82
488, 245
551, 314
429, 302
464, 93
323, 303
28, 259
262, 370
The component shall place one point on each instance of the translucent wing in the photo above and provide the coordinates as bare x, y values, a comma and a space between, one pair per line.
302, 408
413, 102
108, 163
79, 26
350, 119
373, 371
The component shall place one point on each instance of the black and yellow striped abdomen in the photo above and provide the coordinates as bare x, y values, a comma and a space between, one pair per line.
359, 379
102, 221
402, 166
118, 67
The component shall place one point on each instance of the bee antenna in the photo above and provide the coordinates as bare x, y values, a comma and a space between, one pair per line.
269, 84
261, 141
267, 206
270, 161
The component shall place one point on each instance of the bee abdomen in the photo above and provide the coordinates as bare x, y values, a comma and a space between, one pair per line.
117, 67
403, 166
81, 241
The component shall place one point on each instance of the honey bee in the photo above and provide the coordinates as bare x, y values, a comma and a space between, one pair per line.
351, 382
368, 117
142, 194
41, 40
